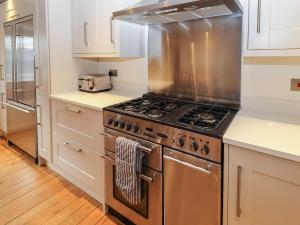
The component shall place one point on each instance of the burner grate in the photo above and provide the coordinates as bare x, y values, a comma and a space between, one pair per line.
204, 117
150, 107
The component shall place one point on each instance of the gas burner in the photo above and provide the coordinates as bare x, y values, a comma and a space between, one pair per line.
171, 106
146, 102
155, 113
129, 108
204, 117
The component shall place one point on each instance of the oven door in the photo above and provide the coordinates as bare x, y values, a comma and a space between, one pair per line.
149, 210
192, 190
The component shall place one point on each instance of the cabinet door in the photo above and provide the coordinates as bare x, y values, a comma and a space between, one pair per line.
93, 28
83, 24
266, 189
258, 37
79, 161
284, 24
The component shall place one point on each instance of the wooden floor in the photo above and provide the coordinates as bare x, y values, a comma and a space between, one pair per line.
35, 195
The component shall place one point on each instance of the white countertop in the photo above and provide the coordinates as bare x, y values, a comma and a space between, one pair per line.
276, 135
95, 101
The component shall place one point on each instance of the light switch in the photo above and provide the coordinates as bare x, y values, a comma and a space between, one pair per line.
295, 85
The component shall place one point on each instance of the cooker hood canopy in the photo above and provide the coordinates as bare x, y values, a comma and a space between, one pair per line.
167, 11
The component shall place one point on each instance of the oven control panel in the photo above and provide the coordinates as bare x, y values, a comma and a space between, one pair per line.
183, 140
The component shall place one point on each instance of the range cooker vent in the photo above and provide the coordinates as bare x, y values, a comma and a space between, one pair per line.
167, 11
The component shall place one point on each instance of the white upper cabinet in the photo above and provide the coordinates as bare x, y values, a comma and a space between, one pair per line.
272, 25
95, 34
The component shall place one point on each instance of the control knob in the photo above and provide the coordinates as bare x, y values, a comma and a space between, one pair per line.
128, 127
194, 146
115, 123
205, 149
135, 129
122, 124
181, 141
110, 121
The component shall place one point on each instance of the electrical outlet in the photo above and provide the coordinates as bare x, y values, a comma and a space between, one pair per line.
113, 73
295, 85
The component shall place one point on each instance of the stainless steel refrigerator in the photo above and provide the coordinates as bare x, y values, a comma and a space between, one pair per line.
20, 84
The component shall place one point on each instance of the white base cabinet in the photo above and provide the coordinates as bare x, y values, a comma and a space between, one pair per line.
79, 161
260, 189
77, 146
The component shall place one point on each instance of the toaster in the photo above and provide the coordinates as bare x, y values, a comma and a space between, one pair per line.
94, 83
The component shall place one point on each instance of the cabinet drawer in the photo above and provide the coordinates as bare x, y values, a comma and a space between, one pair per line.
78, 123
79, 161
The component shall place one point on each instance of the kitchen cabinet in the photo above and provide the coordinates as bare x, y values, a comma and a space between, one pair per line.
78, 146
80, 162
260, 189
95, 34
273, 28
42, 80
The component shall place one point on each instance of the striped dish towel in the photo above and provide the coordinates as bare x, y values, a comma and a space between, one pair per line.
128, 165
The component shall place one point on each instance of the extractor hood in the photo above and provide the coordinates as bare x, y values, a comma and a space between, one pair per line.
166, 11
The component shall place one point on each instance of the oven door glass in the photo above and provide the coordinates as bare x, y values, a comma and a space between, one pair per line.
142, 207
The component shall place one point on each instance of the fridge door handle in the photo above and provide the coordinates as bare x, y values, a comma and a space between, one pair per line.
18, 108
2, 72
2, 100
36, 78
38, 115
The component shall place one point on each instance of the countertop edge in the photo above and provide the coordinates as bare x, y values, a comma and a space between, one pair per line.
76, 103
260, 149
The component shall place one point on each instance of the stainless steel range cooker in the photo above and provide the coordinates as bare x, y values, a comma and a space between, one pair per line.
183, 158
194, 80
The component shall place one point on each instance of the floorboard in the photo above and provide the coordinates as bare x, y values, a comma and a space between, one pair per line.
35, 195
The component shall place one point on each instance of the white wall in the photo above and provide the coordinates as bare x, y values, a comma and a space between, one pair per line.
64, 68
132, 78
266, 84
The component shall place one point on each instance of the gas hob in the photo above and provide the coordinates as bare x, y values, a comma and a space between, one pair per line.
205, 117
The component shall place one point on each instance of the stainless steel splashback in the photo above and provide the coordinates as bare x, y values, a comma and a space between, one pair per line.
198, 59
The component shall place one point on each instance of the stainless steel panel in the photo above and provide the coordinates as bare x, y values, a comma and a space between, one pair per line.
166, 11
21, 127
191, 195
200, 58
9, 61
154, 197
24, 65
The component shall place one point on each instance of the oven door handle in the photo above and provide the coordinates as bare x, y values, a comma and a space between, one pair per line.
202, 170
140, 147
142, 176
